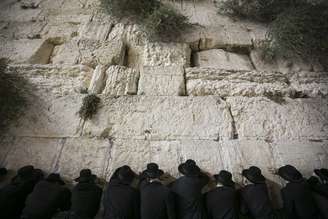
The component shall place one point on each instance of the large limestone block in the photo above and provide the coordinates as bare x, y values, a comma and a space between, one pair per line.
218, 58
67, 53
306, 155
162, 81
55, 118
80, 153
96, 30
55, 80
211, 81
21, 30
36, 51
298, 119
159, 118
12, 11
166, 54
121, 81
43, 153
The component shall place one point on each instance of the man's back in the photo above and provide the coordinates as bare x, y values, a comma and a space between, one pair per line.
255, 200
86, 199
222, 203
157, 202
45, 200
298, 200
121, 201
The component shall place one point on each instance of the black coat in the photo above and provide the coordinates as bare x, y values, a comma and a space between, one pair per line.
13, 196
298, 201
222, 203
121, 201
189, 198
86, 197
255, 201
157, 202
46, 199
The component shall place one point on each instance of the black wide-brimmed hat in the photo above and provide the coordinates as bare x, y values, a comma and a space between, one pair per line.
254, 174
153, 171
290, 173
3, 171
189, 168
322, 174
85, 176
26, 171
55, 177
225, 178
126, 174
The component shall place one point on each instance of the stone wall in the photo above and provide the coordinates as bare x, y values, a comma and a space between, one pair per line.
210, 98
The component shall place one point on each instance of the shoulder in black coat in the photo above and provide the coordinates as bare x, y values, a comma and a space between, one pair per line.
121, 201
157, 202
189, 198
255, 201
298, 201
13, 196
46, 199
222, 203
86, 197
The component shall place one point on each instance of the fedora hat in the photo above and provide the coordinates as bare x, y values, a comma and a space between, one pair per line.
225, 178
55, 177
26, 171
322, 174
126, 174
85, 176
290, 173
153, 171
189, 168
254, 174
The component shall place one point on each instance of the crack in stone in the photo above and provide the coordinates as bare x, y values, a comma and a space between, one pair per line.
234, 134
56, 163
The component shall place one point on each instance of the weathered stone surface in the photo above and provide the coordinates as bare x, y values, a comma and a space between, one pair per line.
162, 81
284, 65
12, 11
96, 30
40, 152
166, 54
79, 153
170, 118
211, 81
306, 155
30, 4
261, 118
218, 58
25, 50
121, 81
98, 80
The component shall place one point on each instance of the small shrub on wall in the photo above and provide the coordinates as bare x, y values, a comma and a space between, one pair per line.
161, 22
13, 91
89, 106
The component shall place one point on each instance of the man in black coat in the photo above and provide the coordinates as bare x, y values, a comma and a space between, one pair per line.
3, 171
48, 197
322, 186
13, 195
255, 200
86, 196
121, 201
320, 199
297, 198
157, 201
222, 202
188, 190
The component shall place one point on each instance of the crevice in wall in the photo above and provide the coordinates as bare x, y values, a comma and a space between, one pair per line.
234, 134
56, 163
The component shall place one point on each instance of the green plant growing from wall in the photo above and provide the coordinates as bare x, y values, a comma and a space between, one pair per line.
89, 106
161, 21
13, 96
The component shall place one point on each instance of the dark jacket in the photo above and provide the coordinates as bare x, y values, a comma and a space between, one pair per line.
86, 198
298, 201
46, 199
320, 195
255, 201
189, 198
121, 201
13, 196
157, 202
222, 203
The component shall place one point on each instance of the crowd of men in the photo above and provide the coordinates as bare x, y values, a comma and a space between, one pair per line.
31, 196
